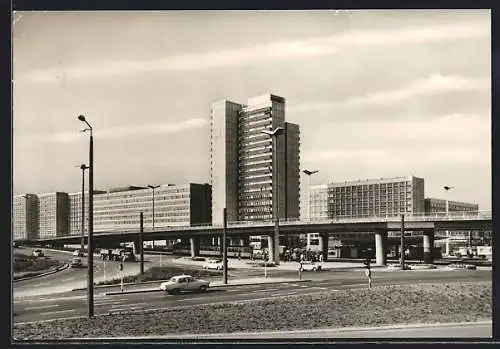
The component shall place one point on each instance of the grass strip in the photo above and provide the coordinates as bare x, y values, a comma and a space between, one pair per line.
162, 273
382, 305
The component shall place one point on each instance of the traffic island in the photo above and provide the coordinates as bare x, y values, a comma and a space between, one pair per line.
380, 305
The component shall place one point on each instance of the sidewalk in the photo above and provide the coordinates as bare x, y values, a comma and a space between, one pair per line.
247, 264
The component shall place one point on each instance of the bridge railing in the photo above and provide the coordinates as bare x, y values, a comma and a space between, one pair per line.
433, 217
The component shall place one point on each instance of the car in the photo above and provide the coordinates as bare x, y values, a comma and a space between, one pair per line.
37, 253
214, 264
76, 263
15, 244
309, 266
182, 283
78, 253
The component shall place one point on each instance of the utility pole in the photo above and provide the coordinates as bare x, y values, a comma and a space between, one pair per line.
141, 243
224, 246
402, 242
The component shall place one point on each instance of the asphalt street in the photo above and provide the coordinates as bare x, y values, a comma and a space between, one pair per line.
74, 304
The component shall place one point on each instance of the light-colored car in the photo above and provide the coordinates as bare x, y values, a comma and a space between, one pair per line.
214, 264
37, 253
76, 263
309, 266
182, 283
78, 253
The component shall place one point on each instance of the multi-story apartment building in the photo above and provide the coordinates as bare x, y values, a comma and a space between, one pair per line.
241, 160
53, 214
25, 217
174, 205
75, 211
371, 197
433, 205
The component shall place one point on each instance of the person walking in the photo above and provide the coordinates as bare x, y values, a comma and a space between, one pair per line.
368, 273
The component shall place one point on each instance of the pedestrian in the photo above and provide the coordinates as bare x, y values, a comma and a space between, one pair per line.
321, 257
239, 255
368, 273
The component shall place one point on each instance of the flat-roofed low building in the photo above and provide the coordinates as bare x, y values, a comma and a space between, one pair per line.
25, 222
54, 214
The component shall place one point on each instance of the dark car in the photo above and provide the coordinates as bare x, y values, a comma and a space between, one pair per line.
76, 263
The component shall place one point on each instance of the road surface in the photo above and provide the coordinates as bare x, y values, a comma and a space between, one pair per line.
73, 304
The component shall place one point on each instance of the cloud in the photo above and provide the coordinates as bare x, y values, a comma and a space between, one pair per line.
267, 52
445, 139
431, 85
120, 132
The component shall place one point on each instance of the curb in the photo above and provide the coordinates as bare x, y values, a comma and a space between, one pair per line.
112, 293
65, 266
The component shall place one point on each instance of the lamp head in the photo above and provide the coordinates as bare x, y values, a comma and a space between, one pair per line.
446, 187
310, 172
81, 118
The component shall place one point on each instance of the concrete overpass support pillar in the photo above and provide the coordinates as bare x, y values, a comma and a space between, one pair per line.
380, 243
447, 246
195, 246
270, 246
323, 243
428, 247
136, 246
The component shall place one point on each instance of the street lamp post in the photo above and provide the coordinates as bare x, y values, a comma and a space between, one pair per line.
83, 167
447, 210
26, 210
274, 134
90, 268
309, 173
153, 187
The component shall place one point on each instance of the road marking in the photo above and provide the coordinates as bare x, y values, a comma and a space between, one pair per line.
321, 288
43, 306
42, 284
69, 279
284, 294
268, 289
108, 303
125, 308
57, 312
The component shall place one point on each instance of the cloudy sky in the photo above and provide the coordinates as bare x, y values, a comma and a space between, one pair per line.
376, 93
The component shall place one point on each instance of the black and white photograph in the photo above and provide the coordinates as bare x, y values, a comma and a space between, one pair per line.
251, 176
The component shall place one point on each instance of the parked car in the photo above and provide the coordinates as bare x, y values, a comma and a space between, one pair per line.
78, 253
15, 244
182, 283
214, 264
309, 266
37, 253
76, 263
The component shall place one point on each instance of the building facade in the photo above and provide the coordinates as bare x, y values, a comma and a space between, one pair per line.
75, 212
241, 160
371, 197
433, 205
174, 205
53, 214
25, 224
